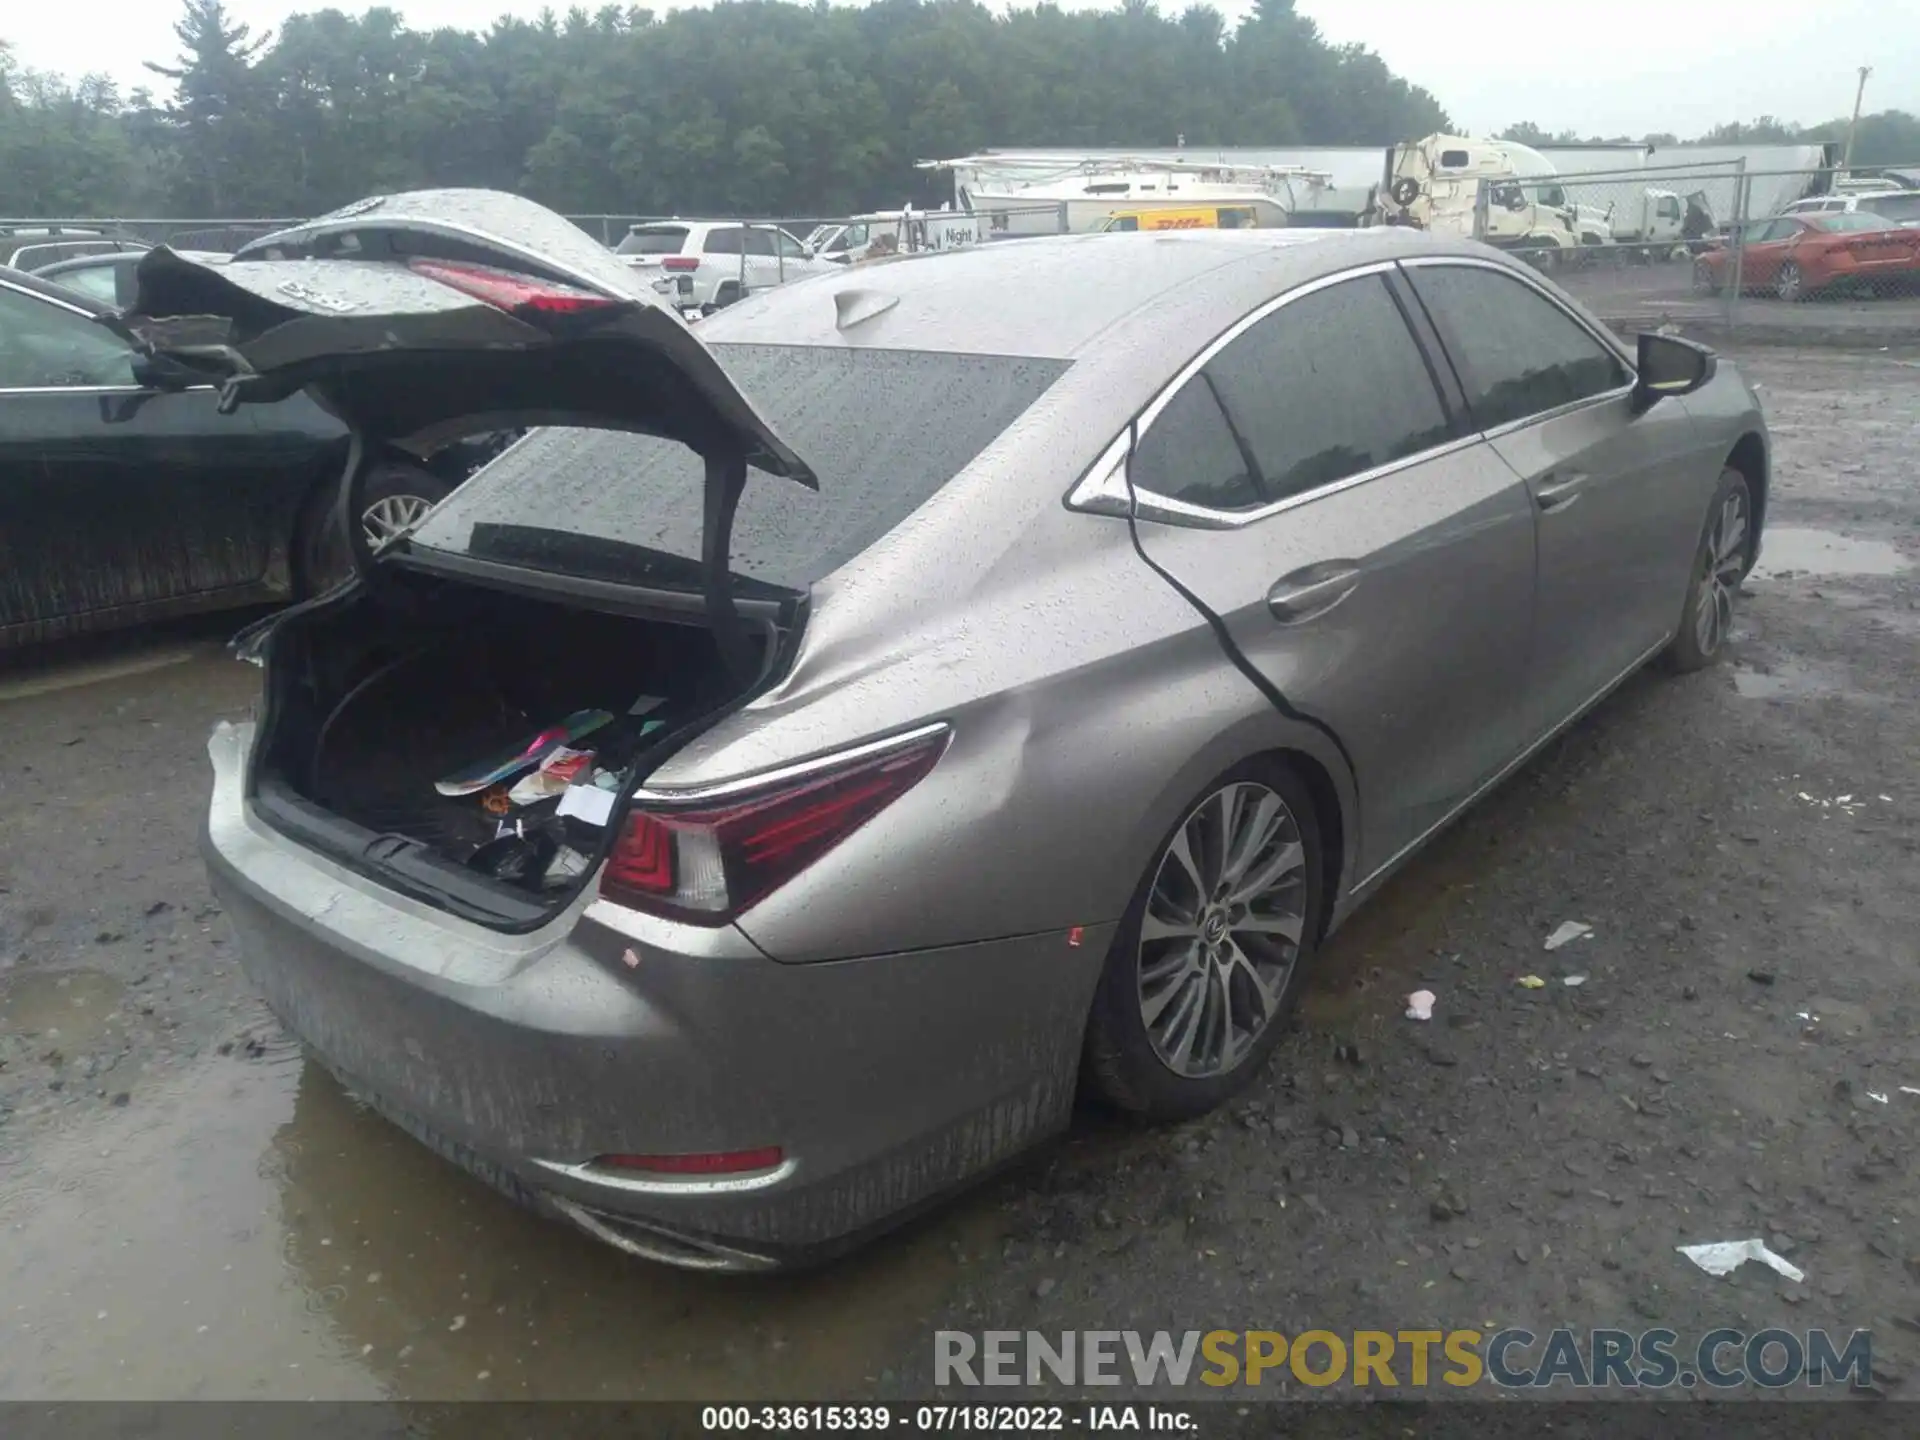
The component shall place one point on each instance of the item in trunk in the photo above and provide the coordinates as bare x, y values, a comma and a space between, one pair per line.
588, 804
532, 752
646, 705
496, 801
567, 866
551, 777
515, 859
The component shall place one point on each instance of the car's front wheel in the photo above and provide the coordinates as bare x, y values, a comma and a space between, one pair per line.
1213, 951
1706, 281
1790, 285
1721, 562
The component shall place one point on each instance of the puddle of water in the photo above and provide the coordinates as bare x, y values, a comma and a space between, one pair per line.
1782, 680
328, 1255
68, 1009
1788, 550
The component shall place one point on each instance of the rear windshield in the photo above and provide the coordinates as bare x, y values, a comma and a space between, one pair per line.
1894, 207
1857, 220
882, 429
656, 240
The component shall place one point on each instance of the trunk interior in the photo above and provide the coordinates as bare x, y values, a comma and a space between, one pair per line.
377, 708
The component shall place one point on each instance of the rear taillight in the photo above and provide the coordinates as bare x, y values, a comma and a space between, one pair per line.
707, 863
680, 262
511, 292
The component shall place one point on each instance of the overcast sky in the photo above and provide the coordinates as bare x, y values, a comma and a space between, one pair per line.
1615, 67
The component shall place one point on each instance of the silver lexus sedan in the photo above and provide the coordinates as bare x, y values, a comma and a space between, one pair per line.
763, 798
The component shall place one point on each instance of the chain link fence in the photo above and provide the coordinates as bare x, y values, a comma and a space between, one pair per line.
1723, 245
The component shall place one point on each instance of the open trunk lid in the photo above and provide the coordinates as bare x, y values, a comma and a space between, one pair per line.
420, 319
413, 345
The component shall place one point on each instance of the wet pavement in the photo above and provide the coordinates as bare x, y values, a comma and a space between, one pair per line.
187, 1209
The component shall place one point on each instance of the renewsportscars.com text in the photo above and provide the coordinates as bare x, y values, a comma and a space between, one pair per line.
1512, 1359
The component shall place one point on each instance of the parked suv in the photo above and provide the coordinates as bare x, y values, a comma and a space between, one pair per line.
1902, 207
704, 265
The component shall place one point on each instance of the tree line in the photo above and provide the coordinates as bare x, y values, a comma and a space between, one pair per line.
756, 106
1891, 137
749, 107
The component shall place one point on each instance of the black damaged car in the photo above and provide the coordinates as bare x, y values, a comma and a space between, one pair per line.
127, 496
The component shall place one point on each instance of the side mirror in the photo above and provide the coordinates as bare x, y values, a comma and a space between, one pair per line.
161, 372
1670, 366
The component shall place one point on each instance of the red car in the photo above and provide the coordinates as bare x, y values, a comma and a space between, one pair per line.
1798, 256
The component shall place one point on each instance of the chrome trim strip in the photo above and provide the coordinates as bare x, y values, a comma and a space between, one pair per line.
1571, 407
799, 770
1103, 490
1158, 507
586, 1174
1360, 891
47, 299
681, 1251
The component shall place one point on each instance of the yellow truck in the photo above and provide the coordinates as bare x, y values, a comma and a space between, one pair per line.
1209, 217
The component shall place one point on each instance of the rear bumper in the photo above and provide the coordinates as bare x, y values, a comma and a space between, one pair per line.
886, 1081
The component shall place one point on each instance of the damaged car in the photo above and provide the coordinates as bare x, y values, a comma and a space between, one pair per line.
763, 798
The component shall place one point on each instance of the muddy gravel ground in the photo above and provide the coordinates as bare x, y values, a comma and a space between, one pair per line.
188, 1209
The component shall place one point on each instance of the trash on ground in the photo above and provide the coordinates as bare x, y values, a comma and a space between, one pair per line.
1420, 1005
1532, 982
529, 753
1567, 930
1877, 1097
551, 777
1909, 1090
1574, 982
588, 804
1723, 1257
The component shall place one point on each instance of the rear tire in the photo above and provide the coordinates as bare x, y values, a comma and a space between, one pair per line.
1720, 564
1213, 951
1705, 281
396, 494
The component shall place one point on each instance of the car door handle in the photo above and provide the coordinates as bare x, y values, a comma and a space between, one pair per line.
1311, 592
1557, 490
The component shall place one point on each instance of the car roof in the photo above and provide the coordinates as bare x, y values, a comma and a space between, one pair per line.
1057, 296
46, 290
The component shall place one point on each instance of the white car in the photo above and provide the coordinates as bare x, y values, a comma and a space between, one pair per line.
705, 265
1902, 207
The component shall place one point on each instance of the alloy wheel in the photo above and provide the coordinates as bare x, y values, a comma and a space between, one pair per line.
390, 515
1222, 929
1723, 557
1789, 282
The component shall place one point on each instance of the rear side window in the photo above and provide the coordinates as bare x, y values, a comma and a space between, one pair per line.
1853, 220
99, 281
883, 429
1516, 352
1328, 386
1189, 454
1898, 208
722, 242
1453, 159
654, 240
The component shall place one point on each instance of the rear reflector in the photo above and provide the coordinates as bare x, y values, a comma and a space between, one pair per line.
680, 262
725, 1162
507, 291
707, 864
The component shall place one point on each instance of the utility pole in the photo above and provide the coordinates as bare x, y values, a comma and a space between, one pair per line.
1847, 158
